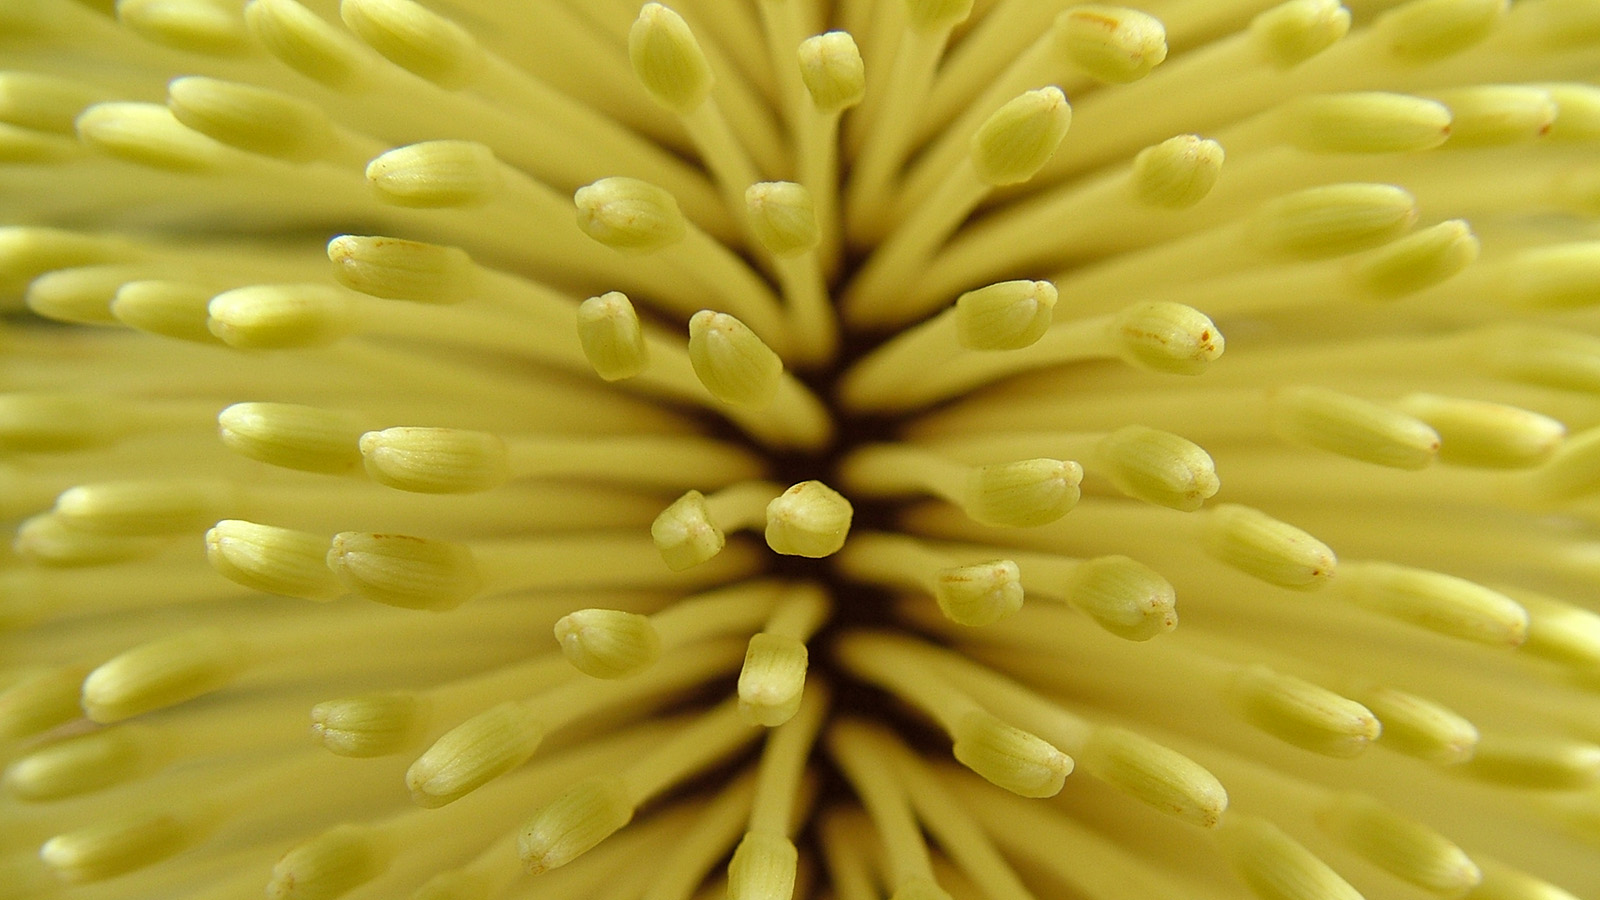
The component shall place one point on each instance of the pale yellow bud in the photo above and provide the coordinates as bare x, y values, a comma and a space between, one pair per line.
574, 823
250, 118
209, 27
162, 673
368, 725
668, 60
114, 845
809, 519
436, 174
167, 308
980, 594
147, 134
731, 361
281, 316
1153, 774
1535, 761
414, 38
1334, 219
276, 560
831, 69
1178, 172
409, 572
303, 41
1259, 545
1417, 261
1417, 726
1429, 29
1009, 315
1023, 494
143, 508
1301, 713
329, 865
435, 460
1276, 867
1440, 603
1291, 33
773, 678
474, 753
1111, 43
763, 868
1562, 632
1157, 467
1352, 427
1486, 435
1495, 115
629, 214
292, 436
1166, 337
685, 533
1123, 596
1367, 122
39, 700
79, 765
612, 336
43, 102
1408, 849
1021, 136
783, 216
398, 269
608, 643
1009, 757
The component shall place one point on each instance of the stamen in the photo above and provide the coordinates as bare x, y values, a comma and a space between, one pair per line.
774, 672
1025, 493
784, 218
832, 70
612, 338
1440, 603
692, 530
1406, 848
765, 862
593, 810
968, 592
1002, 753
503, 737
1275, 866
673, 68
1007, 149
809, 519
418, 573
858, 748
1009, 315
636, 216
886, 128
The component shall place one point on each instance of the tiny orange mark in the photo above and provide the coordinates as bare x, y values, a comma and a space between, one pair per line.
1106, 22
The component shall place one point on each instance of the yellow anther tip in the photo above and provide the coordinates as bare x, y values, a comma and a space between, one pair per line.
809, 519
1021, 136
608, 643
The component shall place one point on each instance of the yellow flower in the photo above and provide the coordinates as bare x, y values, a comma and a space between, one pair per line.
761, 448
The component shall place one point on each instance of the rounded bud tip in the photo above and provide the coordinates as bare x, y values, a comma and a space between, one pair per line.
1021, 136
979, 594
809, 519
1009, 315
608, 643
1023, 494
684, 533
1009, 757
612, 336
